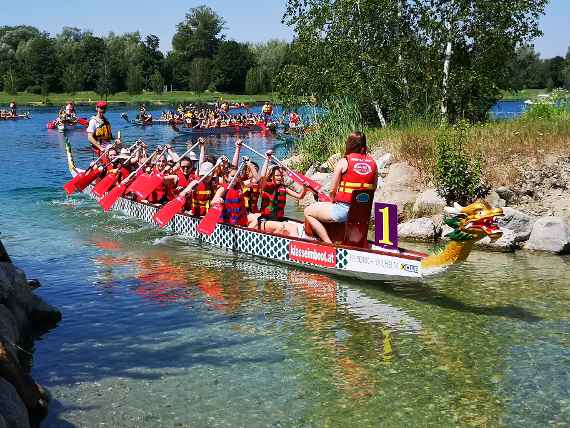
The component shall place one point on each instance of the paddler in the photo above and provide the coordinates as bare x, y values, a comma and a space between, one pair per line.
355, 171
143, 115
13, 109
294, 119
230, 194
267, 109
250, 181
274, 192
99, 129
202, 192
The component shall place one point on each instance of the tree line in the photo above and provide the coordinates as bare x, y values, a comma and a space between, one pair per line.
401, 60
77, 60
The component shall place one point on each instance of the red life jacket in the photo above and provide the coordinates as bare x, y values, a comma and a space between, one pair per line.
360, 175
251, 197
182, 180
234, 207
273, 200
158, 195
201, 196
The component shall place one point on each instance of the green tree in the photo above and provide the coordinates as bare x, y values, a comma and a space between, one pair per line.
232, 62
198, 36
270, 57
157, 82
257, 81
200, 74
135, 80
10, 83
38, 63
105, 83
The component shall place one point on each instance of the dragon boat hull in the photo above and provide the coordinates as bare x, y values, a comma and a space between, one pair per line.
365, 264
220, 131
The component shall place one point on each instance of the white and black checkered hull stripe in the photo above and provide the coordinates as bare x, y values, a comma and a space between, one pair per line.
348, 262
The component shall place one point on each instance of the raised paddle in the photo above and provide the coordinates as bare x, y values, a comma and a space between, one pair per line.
167, 212
297, 177
73, 185
156, 179
110, 198
208, 224
82, 121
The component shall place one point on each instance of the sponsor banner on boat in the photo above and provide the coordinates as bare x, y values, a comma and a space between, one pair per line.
381, 264
315, 254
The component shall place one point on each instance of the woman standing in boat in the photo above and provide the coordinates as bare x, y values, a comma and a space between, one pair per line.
13, 111
355, 171
99, 129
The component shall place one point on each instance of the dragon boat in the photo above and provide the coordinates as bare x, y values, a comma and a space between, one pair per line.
232, 129
21, 116
352, 256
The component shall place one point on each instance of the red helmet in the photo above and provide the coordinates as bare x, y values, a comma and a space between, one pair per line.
101, 104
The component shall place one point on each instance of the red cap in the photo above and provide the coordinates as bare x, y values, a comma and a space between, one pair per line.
101, 104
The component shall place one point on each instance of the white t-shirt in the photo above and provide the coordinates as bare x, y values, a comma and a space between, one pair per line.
94, 123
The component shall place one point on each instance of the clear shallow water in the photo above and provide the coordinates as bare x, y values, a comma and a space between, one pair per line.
160, 332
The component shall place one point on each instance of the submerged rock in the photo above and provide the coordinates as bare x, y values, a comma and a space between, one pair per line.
550, 234
419, 229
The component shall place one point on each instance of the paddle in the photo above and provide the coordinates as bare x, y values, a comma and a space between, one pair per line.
72, 185
110, 198
210, 221
297, 177
155, 180
107, 181
167, 212
82, 121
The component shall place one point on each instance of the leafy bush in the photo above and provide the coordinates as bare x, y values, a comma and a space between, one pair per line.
157, 82
457, 169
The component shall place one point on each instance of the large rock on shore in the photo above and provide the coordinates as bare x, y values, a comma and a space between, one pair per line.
400, 187
550, 234
419, 229
520, 223
22, 402
428, 203
505, 244
13, 412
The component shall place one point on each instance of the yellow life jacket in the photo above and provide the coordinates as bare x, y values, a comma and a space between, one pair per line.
103, 130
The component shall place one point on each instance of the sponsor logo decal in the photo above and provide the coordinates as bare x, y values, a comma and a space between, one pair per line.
408, 268
362, 168
311, 253
362, 197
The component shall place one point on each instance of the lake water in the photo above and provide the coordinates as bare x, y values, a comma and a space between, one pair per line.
161, 332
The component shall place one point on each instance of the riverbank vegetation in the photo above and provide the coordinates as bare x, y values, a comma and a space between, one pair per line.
148, 97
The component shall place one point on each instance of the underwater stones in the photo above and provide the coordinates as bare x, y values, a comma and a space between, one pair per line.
549, 234
419, 229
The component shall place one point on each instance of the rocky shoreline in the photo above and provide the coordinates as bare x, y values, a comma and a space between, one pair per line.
537, 209
23, 317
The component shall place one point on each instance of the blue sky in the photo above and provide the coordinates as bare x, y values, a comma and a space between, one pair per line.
246, 20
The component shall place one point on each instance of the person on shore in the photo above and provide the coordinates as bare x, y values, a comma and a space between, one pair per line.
99, 129
355, 171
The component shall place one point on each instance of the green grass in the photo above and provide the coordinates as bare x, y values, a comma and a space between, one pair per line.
175, 97
523, 94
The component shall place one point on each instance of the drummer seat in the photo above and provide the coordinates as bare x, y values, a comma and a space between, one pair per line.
355, 231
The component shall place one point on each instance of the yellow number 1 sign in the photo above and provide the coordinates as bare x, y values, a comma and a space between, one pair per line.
386, 220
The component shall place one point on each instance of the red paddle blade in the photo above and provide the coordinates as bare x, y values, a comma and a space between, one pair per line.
82, 121
138, 183
153, 182
210, 220
110, 198
167, 212
87, 179
71, 185
104, 185
324, 198
297, 177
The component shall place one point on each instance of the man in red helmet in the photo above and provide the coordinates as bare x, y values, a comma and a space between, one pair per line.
99, 129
